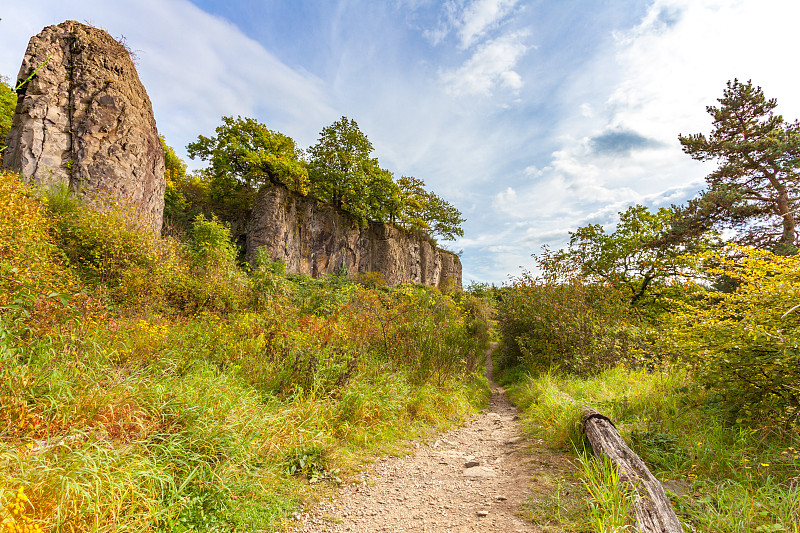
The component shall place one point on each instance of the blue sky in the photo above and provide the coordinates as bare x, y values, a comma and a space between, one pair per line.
532, 117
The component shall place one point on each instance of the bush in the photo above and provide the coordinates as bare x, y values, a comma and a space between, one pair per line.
572, 326
101, 241
268, 278
29, 259
745, 344
164, 399
126, 263
210, 244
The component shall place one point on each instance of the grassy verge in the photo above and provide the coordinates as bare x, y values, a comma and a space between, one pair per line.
720, 477
155, 385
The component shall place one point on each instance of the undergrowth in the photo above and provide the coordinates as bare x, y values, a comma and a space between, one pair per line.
153, 384
720, 477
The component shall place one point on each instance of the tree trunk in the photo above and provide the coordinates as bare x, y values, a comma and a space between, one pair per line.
654, 513
788, 238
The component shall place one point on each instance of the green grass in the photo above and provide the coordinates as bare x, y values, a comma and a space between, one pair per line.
169, 439
146, 387
736, 479
609, 497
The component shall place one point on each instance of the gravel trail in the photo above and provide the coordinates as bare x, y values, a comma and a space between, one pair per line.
472, 478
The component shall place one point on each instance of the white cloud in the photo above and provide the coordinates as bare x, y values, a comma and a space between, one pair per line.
590, 132
534, 172
469, 21
446, 23
509, 196
194, 66
480, 16
658, 78
491, 66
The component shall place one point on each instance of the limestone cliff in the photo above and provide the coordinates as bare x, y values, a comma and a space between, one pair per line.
85, 120
314, 238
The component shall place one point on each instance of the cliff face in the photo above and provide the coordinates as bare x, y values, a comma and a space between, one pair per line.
315, 239
84, 120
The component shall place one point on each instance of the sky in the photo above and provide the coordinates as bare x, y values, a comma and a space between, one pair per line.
532, 117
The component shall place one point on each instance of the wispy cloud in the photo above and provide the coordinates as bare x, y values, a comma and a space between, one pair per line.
195, 67
618, 146
594, 113
480, 16
491, 67
469, 21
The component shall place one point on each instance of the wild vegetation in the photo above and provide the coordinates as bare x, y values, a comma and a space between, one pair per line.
8, 101
158, 384
687, 340
154, 384
340, 169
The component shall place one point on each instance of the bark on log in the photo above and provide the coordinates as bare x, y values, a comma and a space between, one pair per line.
653, 509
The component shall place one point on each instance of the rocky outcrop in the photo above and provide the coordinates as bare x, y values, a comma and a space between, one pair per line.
84, 120
314, 238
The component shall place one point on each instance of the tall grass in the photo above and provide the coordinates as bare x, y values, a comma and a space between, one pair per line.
609, 497
727, 478
153, 385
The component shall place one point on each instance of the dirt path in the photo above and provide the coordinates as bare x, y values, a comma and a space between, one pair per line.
472, 478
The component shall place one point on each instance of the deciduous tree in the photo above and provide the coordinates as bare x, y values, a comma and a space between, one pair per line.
744, 344
8, 102
245, 151
634, 258
443, 219
344, 173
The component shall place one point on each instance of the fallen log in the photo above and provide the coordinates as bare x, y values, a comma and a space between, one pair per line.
653, 510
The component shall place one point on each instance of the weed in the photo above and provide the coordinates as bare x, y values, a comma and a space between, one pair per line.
681, 435
310, 462
145, 386
610, 497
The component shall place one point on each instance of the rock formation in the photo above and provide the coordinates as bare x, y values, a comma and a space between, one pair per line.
314, 238
84, 120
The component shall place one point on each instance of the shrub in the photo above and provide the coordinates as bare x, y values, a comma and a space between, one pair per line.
745, 344
268, 278
29, 260
572, 325
210, 244
102, 241
371, 280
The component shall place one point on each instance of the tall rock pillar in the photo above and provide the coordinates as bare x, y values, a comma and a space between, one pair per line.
84, 120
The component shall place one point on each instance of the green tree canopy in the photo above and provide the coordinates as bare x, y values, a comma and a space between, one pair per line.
8, 103
344, 174
174, 166
246, 152
755, 188
426, 212
443, 219
414, 199
634, 257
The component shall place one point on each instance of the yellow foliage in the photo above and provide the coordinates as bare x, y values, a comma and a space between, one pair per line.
15, 515
28, 257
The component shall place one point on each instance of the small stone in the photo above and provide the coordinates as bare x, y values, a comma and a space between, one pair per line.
479, 471
501, 498
482, 513
470, 464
